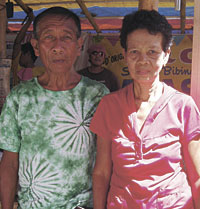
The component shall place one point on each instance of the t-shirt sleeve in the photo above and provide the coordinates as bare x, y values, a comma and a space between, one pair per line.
191, 118
99, 121
9, 130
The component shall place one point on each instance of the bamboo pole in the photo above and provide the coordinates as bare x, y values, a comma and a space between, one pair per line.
88, 15
195, 77
3, 21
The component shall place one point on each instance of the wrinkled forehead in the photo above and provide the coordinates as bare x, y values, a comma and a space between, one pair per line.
50, 20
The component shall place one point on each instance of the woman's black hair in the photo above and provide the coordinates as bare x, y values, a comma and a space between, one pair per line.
149, 20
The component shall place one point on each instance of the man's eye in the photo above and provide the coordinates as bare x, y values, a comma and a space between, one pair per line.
48, 37
67, 37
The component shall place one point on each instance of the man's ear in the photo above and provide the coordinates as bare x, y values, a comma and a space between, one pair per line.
80, 45
34, 43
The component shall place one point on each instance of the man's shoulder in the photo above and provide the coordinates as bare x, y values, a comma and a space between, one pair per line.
87, 82
108, 71
23, 86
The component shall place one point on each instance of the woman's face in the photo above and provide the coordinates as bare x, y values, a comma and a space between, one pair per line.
145, 56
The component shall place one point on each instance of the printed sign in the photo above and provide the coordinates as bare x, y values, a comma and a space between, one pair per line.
176, 73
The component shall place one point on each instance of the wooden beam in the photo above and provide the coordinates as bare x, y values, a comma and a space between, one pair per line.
88, 15
23, 6
3, 21
195, 77
148, 4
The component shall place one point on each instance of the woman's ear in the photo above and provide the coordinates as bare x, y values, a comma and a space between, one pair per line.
124, 53
166, 58
34, 43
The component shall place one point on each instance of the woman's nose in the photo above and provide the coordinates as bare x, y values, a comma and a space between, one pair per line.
143, 58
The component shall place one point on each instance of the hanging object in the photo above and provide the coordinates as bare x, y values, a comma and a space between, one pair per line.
178, 5
9, 9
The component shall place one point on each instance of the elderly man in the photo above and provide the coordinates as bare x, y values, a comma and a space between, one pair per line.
96, 71
44, 126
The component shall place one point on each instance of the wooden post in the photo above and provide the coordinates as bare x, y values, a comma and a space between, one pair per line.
148, 4
195, 77
182, 13
88, 15
3, 20
4, 63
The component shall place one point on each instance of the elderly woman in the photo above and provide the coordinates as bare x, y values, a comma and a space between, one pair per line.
147, 131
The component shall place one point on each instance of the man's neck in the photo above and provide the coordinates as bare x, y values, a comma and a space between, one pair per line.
59, 82
95, 69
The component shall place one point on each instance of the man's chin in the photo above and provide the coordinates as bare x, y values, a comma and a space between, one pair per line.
58, 70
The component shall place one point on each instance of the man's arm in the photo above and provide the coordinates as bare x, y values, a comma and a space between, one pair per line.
8, 178
194, 152
102, 173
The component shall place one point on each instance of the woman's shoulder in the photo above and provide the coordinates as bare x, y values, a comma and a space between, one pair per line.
178, 97
120, 96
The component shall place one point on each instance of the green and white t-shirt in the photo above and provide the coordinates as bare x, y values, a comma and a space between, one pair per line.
50, 130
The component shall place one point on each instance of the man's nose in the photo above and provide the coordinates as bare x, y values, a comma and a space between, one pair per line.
58, 46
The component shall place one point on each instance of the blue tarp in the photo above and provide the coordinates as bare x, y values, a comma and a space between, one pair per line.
115, 12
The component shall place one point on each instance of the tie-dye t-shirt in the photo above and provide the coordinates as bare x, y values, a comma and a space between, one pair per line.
50, 130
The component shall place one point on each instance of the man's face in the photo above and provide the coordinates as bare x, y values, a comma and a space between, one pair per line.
57, 43
97, 57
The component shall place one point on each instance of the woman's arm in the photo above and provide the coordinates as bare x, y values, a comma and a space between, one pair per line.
102, 173
8, 179
194, 152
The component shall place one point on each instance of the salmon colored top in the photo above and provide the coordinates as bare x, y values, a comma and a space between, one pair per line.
148, 168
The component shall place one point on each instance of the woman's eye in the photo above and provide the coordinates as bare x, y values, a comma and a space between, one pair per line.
152, 52
133, 51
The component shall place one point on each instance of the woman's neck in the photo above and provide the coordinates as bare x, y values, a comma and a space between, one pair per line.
148, 92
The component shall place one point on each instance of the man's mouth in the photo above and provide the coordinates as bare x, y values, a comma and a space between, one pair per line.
58, 61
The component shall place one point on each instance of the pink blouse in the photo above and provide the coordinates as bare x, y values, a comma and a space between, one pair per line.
148, 167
